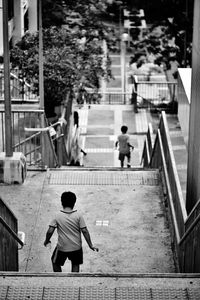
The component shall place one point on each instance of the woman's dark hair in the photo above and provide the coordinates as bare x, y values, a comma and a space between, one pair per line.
68, 199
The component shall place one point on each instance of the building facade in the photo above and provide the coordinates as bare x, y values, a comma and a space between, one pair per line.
22, 16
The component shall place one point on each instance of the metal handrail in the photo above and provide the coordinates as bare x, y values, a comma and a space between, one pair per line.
148, 145
14, 235
193, 211
174, 218
188, 231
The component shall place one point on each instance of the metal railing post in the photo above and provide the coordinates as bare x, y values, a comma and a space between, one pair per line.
7, 97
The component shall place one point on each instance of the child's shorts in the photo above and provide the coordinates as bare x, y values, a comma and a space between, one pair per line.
123, 155
59, 257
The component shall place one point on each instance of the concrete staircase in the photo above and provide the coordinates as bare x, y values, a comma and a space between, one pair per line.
126, 216
125, 213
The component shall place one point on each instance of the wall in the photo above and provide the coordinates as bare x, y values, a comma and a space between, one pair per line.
1, 28
183, 97
193, 174
16, 25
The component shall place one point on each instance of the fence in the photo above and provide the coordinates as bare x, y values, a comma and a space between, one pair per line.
156, 95
29, 138
108, 98
21, 91
185, 229
145, 94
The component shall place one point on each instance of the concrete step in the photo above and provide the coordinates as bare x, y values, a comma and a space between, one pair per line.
103, 176
88, 286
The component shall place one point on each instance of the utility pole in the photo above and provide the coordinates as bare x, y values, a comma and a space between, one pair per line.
41, 83
7, 97
41, 76
124, 39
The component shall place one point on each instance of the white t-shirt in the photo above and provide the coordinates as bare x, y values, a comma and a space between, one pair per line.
123, 140
68, 224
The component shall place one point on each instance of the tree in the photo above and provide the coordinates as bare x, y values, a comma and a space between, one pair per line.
59, 12
88, 16
70, 59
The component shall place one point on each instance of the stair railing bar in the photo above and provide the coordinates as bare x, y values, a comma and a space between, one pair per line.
148, 147
169, 192
145, 154
174, 182
14, 235
189, 230
172, 164
193, 214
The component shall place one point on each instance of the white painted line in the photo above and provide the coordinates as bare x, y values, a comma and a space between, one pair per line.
141, 121
175, 133
105, 223
112, 138
102, 223
179, 147
83, 119
99, 223
99, 150
101, 126
181, 167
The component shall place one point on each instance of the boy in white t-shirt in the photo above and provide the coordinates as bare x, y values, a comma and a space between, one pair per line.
69, 224
123, 141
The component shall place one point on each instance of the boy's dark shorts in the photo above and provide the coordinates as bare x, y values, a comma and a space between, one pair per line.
59, 257
123, 155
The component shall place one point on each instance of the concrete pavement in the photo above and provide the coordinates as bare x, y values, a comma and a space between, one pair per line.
100, 125
123, 211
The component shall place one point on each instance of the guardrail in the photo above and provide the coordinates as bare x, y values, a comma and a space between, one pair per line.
112, 98
190, 244
154, 92
36, 143
185, 228
44, 145
155, 96
162, 157
157, 92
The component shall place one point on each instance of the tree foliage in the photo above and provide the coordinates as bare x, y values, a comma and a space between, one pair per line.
59, 12
70, 59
